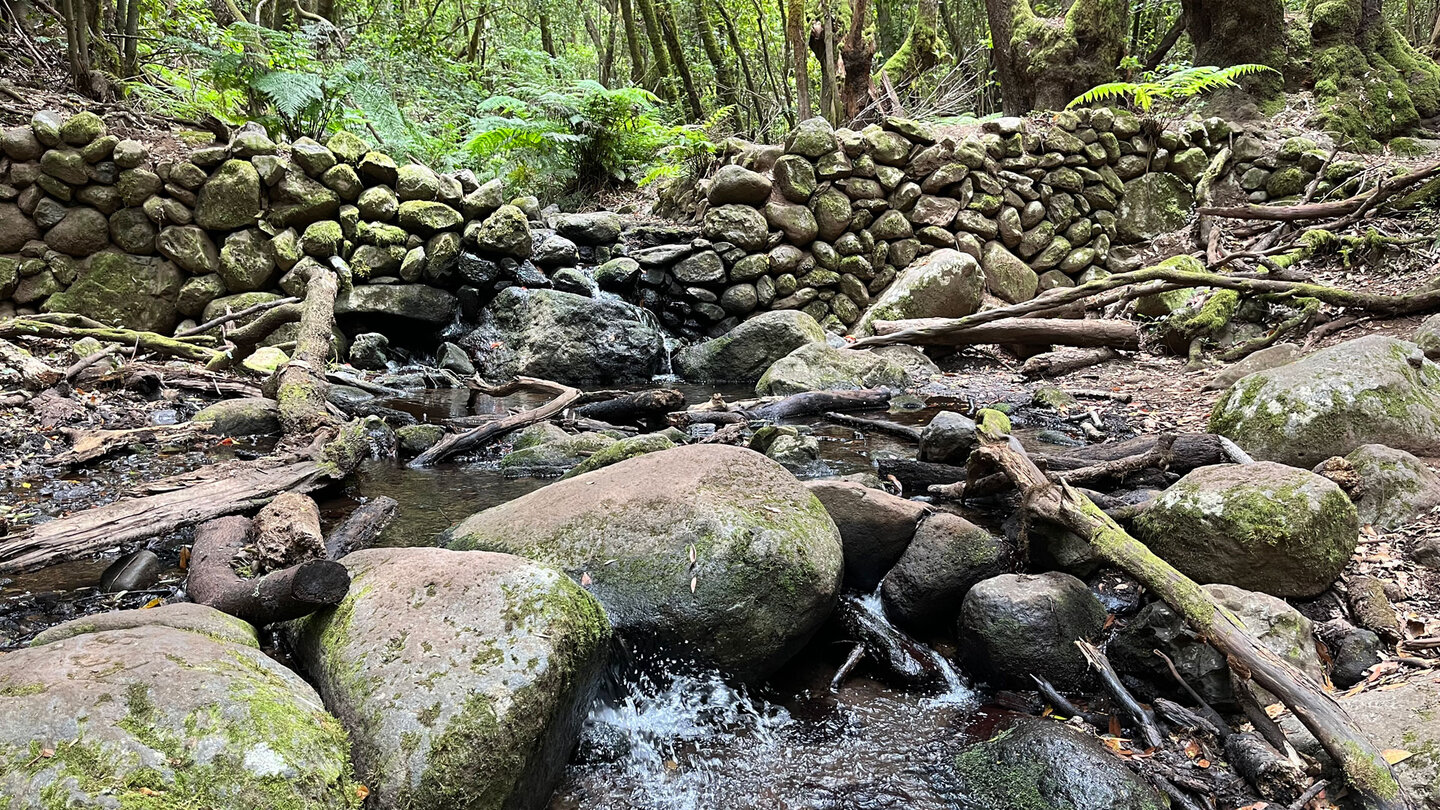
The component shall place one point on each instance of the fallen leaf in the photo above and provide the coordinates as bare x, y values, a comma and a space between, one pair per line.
585, 579
362, 792
151, 604
1395, 756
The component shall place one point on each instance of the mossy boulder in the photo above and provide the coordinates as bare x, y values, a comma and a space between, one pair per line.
1371, 390
230, 199
947, 556
1015, 625
1395, 486
1427, 337
15, 228
247, 416
132, 291
554, 457
740, 225
818, 367
812, 138
745, 352
621, 450
462, 677
406, 303
427, 218
247, 261
156, 716
737, 184
189, 247
1152, 204
81, 232
206, 621
1043, 763
591, 228
943, 284
505, 232
710, 551
565, 337
1262, 527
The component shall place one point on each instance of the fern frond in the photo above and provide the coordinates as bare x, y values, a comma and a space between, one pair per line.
1104, 91
290, 91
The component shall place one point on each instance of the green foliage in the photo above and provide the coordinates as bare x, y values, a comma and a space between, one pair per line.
1175, 87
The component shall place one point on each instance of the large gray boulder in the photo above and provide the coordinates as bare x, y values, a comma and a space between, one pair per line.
1015, 625
564, 337
1395, 486
136, 292
875, 528
1263, 527
230, 199
1372, 390
462, 677
1153, 204
739, 225
592, 228
711, 551
819, 367
1043, 763
947, 556
745, 352
418, 303
160, 708
15, 228
737, 184
944, 284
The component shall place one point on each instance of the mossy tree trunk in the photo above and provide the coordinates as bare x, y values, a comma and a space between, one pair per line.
1371, 84
635, 46
921, 50
1237, 32
795, 42
670, 28
1043, 62
857, 54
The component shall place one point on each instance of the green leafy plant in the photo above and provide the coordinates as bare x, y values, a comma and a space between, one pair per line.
1175, 87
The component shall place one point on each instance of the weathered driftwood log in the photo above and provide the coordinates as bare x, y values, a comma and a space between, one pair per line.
302, 385
274, 597
1188, 451
1360, 760
186, 348
907, 432
86, 445
1057, 363
1375, 303
456, 443
361, 528
917, 476
635, 407
287, 532
143, 376
1349, 210
810, 403
185, 500
30, 371
1114, 334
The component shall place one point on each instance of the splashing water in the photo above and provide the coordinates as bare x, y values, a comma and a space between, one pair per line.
957, 692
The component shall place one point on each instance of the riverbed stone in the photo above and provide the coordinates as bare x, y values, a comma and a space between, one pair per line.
564, 337
1153, 204
246, 261
947, 556
81, 232
767, 558
875, 528
819, 367
1263, 527
737, 184
942, 284
591, 228
1043, 763
620, 450
462, 677
140, 716
1014, 625
246, 416
745, 352
1371, 390
552, 458
1395, 486
1267, 358
740, 225
15, 228
796, 221
416, 303
132, 291
1006, 275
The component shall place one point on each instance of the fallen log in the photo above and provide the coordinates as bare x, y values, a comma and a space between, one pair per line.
86, 445
1348, 211
185, 500
287, 532
361, 528
635, 407
1188, 451
1358, 757
810, 403
302, 384
456, 443
906, 432
185, 348
274, 597
1095, 333
30, 371
1058, 363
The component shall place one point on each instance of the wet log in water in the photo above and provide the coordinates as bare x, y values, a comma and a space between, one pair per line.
361, 528
274, 597
811, 403
475, 438
899, 659
1359, 758
635, 407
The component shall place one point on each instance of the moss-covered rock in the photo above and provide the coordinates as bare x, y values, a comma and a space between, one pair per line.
620, 451
1152, 204
426, 218
818, 367
247, 416
190, 248
206, 621
505, 232
1006, 275
132, 291
553, 457
462, 677
745, 352
811, 138
1394, 486
162, 718
230, 199
947, 556
1043, 764
1372, 390
943, 284
713, 551
740, 225
247, 261
1015, 625
1263, 527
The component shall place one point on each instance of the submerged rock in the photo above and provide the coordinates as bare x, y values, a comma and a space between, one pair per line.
1372, 390
1042, 763
564, 337
1014, 625
462, 677
714, 551
745, 352
1263, 527
146, 707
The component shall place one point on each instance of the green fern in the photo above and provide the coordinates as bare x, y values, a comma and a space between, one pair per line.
1175, 87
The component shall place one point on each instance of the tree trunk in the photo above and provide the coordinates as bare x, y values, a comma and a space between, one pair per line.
724, 76
638, 68
1044, 63
921, 50
795, 39
671, 29
1370, 83
733, 36
663, 71
822, 46
857, 54
302, 387
1236, 32
275, 597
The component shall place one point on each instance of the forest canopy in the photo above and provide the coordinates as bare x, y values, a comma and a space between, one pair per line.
559, 96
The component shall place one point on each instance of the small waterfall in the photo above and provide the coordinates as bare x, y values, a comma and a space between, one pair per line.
956, 691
